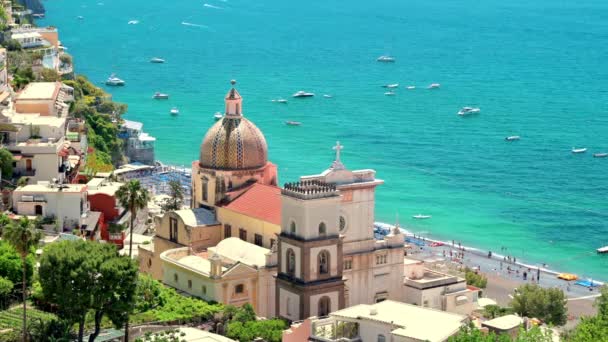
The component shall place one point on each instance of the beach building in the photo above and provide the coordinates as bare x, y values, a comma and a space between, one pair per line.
45, 98
234, 272
436, 290
139, 145
386, 321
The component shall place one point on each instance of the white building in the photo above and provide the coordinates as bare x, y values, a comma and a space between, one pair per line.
139, 145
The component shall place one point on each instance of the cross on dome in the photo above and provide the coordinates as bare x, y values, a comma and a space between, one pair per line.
337, 164
234, 102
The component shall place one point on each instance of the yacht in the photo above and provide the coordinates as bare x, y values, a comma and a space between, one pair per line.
602, 249
157, 60
114, 81
434, 86
302, 93
217, 116
160, 96
469, 111
421, 217
391, 86
293, 123
512, 138
389, 93
579, 150
133, 22
411, 87
281, 101
386, 59
600, 155
174, 111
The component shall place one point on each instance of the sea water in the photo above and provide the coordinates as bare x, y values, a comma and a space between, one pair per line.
536, 69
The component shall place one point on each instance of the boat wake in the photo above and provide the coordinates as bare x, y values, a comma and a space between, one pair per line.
193, 25
211, 6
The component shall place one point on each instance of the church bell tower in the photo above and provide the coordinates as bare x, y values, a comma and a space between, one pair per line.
309, 279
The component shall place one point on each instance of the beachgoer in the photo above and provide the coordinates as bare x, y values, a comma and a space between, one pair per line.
489, 254
525, 275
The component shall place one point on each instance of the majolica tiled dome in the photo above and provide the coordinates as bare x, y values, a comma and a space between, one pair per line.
233, 143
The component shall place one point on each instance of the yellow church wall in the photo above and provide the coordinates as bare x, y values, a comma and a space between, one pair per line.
201, 286
252, 225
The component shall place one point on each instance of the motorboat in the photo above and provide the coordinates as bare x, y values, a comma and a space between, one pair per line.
391, 86
160, 96
302, 93
512, 138
217, 116
293, 123
600, 155
174, 111
411, 87
327, 96
114, 81
281, 101
579, 150
157, 60
389, 93
602, 250
133, 22
434, 86
386, 59
469, 111
421, 217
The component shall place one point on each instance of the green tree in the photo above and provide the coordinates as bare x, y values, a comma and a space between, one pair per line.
23, 236
176, 196
6, 163
83, 276
148, 294
11, 265
593, 328
4, 221
547, 304
6, 288
475, 279
472, 334
12, 45
49, 75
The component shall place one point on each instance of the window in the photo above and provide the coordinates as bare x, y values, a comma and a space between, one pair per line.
173, 229
149, 263
342, 223
348, 264
272, 242
381, 259
291, 262
292, 227
175, 277
240, 288
204, 289
189, 284
258, 240
323, 262
38, 210
322, 229
288, 306
205, 188
227, 231
381, 338
242, 234
324, 306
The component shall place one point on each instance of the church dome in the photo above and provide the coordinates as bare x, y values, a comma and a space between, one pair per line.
233, 143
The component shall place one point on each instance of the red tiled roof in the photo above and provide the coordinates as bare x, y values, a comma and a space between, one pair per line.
260, 201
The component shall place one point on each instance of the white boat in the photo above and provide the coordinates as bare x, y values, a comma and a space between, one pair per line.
157, 60
469, 111
80, 17
602, 249
160, 96
327, 96
302, 93
411, 87
512, 138
579, 150
421, 217
389, 93
293, 123
600, 155
434, 86
217, 116
133, 22
281, 101
386, 59
391, 86
114, 81
174, 111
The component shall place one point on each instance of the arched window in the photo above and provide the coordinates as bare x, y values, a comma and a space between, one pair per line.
324, 306
323, 260
381, 338
292, 227
291, 262
322, 229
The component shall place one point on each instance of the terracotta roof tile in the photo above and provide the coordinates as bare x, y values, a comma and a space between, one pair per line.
260, 201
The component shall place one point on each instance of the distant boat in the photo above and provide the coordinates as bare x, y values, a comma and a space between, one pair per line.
579, 150
133, 22
512, 138
386, 59
421, 217
281, 101
114, 81
302, 93
293, 123
468, 111
391, 86
157, 60
327, 96
80, 17
600, 155
174, 111
602, 250
389, 93
411, 87
217, 116
160, 96
434, 86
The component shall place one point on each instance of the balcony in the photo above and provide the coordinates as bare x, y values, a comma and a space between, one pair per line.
329, 329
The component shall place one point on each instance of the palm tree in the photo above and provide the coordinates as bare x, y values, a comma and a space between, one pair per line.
133, 197
22, 235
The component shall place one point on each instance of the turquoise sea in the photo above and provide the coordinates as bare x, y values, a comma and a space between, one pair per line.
535, 68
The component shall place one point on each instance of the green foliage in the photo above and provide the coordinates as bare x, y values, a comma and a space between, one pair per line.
494, 311
148, 294
270, 330
176, 196
98, 161
6, 287
12, 318
11, 265
12, 45
163, 336
595, 328
65, 59
472, 334
475, 279
547, 304
49, 75
6, 163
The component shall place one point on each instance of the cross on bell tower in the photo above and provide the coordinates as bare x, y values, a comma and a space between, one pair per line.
337, 164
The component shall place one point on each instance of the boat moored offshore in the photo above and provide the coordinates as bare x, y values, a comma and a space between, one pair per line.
600, 155
386, 59
114, 81
303, 93
174, 111
160, 96
512, 138
579, 150
469, 111
157, 60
